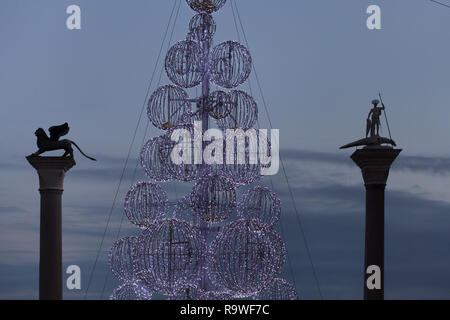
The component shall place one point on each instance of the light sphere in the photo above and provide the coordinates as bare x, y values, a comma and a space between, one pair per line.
145, 202
231, 64
260, 203
167, 107
245, 257
213, 198
278, 289
208, 6
183, 148
121, 256
151, 160
131, 291
242, 114
184, 65
219, 104
169, 256
202, 27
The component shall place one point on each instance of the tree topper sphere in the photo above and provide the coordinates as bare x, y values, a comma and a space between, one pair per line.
145, 202
213, 198
231, 64
260, 203
167, 107
278, 289
184, 65
202, 27
121, 258
208, 6
169, 256
151, 160
242, 114
245, 257
131, 291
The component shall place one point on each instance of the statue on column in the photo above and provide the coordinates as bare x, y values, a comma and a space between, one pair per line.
373, 124
46, 143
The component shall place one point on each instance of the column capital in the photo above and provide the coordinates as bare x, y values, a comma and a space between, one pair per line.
51, 170
375, 163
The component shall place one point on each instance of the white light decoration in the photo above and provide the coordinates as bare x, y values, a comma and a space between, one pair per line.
242, 113
184, 64
202, 252
151, 160
167, 107
213, 198
231, 64
131, 291
245, 257
260, 203
121, 257
278, 289
145, 202
169, 255
208, 6
202, 27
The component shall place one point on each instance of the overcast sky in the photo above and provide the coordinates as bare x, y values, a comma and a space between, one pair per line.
319, 68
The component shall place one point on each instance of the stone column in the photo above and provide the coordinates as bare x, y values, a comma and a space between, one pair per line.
51, 171
375, 163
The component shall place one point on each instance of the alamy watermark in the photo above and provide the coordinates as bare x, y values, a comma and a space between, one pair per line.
237, 146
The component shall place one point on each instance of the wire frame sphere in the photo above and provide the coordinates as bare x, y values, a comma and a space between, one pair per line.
213, 198
169, 256
121, 257
208, 6
278, 289
242, 114
184, 65
219, 104
151, 160
131, 291
245, 257
182, 150
167, 107
231, 64
260, 203
202, 27
145, 202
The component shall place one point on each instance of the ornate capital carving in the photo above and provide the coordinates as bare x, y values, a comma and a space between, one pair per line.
51, 170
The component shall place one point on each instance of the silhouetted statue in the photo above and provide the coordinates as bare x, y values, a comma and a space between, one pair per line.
51, 143
372, 127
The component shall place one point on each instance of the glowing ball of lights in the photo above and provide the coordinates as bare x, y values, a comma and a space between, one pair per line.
245, 257
219, 104
242, 114
184, 64
167, 107
151, 161
145, 202
231, 64
169, 256
182, 150
278, 289
260, 203
184, 210
213, 198
202, 27
131, 291
208, 6
121, 258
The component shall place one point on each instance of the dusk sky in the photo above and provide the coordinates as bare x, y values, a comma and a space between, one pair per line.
319, 67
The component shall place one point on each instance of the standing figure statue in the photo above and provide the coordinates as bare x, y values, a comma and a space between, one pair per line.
373, 124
